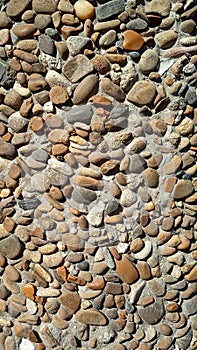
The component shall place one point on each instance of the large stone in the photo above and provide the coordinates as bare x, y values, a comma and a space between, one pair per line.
153, 313
112, 89
92, 317
71, 301
10, 247
142, 93
126, 270
151, 177
77, 68
182, 189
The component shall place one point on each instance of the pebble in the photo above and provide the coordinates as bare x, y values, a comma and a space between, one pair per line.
109, 9
91, 317
14, 9
158, 7
148, 61
166, 39
84, 9
182, 189
86, 88
142, 93
11, 247
126, 270
132, 40
48, 6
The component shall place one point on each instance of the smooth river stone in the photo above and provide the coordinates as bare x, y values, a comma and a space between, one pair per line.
86, 88
126, 270
142, 93
92, 317
182, 189
132, 40
148, 61
144, 253
83, 9
160, 7
81, 114
109, 9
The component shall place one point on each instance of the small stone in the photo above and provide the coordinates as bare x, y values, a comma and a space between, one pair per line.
53, 260
77, 68
97, 283
188, 26
127, 198
165, 329
192, 275
86, 88
92, 317
142, 93
151, 177
29, 291
108, 38
13, 99
109, 9
4, 36
4, 19
145, 251
185, 127
166, 39
137, 24
172, 166
58, 95
132, 40
84, 9
182, 189
148, 61
10, 247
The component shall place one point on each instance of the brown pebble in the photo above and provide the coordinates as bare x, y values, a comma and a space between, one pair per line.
58, 95
36, 123
132, 40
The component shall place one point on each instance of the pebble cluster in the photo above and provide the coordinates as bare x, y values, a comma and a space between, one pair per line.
98, 115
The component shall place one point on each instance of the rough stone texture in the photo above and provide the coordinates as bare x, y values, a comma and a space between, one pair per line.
77, 68
151, 314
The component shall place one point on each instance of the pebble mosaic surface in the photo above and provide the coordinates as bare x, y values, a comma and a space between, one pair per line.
98, 115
